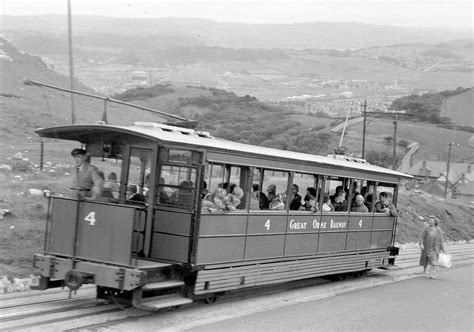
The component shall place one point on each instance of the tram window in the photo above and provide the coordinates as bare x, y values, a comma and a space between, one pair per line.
180, 156
228, 184
257, 179
177, 185
274, 186
140, 160
306, 184
337, 190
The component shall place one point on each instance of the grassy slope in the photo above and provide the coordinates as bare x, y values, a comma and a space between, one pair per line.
433, 140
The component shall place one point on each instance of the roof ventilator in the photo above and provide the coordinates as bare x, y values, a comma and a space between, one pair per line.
173, 129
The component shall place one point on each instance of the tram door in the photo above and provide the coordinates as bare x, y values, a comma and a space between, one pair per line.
177, 194
137, 191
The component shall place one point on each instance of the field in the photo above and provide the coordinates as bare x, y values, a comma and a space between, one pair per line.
433, 140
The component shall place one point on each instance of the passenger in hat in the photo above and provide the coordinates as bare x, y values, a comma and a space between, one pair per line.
87, 183
359, 204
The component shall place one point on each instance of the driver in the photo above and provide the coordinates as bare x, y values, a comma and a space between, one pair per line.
87, 183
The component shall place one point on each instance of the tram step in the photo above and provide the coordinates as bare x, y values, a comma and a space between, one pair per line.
390, 267
164, 301
163, 285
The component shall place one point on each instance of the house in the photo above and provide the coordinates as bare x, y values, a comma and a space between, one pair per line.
465, 191
432, 170
431, 175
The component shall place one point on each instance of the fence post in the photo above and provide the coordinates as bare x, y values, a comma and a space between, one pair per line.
41, 155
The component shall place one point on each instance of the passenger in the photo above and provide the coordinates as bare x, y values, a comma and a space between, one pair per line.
359, 205
215, 201
87, 182
271, 193
133, 194
163, 196
310, 201
368, 202
106, 193
327, 206
185, 196
112, 185
295, 203
146, 184
340, 202
263, 203
385, 206
333, 197
234, 198
204, 189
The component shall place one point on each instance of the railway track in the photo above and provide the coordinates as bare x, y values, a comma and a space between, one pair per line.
54, 310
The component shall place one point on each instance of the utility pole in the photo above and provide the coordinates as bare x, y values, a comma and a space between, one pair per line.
447, 171
394, 158
363, 130
71, 62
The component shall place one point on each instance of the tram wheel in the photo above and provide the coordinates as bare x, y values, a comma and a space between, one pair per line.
211, 299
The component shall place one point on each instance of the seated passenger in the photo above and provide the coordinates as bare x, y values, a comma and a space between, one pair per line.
333, 197
359, 205
133, 194
385, 206
106, 194
310, 201
111, 185
204, 189
368, 202
185, 196
295, 203
234, 198
215, 201
340, 203
163, 196
271, 193
327, 206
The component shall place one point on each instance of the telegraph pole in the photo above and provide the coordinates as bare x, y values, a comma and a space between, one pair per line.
363, 130
447, 171
394, 158
71, 62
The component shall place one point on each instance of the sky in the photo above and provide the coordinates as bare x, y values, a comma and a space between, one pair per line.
453, 14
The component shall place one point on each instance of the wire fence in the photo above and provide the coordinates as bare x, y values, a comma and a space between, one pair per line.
37, 152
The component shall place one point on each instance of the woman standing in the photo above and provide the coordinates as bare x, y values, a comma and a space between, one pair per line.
431, 245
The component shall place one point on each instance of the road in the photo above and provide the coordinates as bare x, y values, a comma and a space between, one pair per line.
412, 304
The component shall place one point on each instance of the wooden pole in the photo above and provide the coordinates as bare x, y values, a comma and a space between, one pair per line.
447, 171
71, 61
363, 129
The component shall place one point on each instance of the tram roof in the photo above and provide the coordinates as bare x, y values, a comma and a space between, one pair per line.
191, 138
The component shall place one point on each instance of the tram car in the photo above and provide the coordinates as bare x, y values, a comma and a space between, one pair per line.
192, 235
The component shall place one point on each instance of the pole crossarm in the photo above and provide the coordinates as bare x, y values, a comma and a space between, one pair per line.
108, 99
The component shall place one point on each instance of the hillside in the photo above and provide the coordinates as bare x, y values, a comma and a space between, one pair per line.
433, 140
268, 61
103, 32
460, 108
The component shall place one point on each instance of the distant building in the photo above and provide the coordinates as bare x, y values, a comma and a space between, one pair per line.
428, 169
432, 177
465, 191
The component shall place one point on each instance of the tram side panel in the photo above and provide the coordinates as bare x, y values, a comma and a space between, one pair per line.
95, 232
171, 235
279, 248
